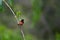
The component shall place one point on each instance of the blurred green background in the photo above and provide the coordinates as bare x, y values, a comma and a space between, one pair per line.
41, 20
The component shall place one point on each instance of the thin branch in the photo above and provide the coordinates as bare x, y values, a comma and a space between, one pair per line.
15, 17
11, 10
22, 33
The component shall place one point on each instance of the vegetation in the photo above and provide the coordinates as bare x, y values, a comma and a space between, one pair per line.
41, 19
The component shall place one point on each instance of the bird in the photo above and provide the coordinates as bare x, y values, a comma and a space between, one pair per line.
21, 22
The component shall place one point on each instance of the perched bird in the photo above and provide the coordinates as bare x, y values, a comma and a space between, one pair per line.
21, 22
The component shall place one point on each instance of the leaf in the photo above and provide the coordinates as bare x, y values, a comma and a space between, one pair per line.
18, 13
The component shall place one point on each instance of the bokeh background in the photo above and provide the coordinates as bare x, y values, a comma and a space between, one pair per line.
41, 19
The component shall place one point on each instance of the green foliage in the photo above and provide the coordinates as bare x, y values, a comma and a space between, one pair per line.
57, 36
29, 37
2, 28
1, 7
36, 11
11, 2
18, 13
9, 34
0, 2
17, 10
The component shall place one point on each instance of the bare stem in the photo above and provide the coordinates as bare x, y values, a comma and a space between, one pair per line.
11, 10
14, 16
22, 33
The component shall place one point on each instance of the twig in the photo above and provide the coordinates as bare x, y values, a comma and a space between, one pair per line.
11, 10
22, 33
14, 16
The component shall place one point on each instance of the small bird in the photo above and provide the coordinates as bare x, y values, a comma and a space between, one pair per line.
21, 22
